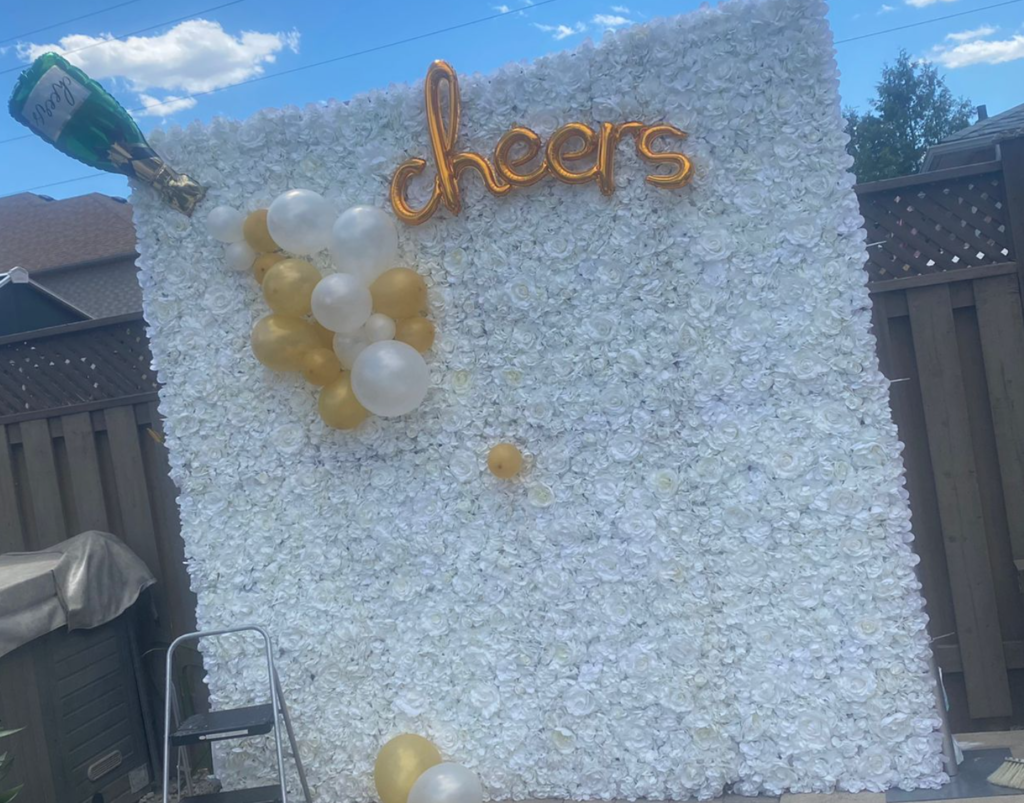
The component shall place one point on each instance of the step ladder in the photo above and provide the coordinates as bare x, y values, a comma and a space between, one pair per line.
235, 723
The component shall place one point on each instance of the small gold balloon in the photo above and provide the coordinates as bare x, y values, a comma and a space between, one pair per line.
504, 460
339, 408
263, 263
257, 234
399, 293
321, 367
288, 286
280, 342
400, 763
326, 335
418, 332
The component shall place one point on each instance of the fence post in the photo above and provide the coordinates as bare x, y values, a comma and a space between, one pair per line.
1012, 155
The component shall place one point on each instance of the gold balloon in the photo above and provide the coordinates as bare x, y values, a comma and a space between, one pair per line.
263, 263
340, 409
683, 172
504, 461
504, 175
418, 332
399, 293
558, 157
280, 342
288, 286
257, 234
399, 763
326, 335
507, 164
321, 367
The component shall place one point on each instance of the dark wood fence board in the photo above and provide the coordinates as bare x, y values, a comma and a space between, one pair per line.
43, 485
1009, 603
12, 535
960, 506
924, 505
30, 748
168, 526
84, 469
133, 496
1002, 337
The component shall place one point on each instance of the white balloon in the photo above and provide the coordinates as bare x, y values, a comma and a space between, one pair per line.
379, 327
447, 783
225, 224
349, 346
341, 302
390, 378
300, 221
364, 242
240, 256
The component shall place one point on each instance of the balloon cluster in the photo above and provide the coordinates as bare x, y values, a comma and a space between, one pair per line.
359, 334
409, 769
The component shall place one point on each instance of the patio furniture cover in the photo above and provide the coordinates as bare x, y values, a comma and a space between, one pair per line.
83, 582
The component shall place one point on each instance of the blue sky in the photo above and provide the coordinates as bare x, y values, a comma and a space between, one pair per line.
981, 54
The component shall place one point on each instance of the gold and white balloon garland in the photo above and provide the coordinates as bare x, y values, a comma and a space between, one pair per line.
364, 344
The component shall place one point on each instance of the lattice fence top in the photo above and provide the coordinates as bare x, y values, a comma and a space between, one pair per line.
76, 365
923, 227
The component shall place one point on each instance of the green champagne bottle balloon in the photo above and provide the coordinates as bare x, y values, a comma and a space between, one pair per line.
79, 117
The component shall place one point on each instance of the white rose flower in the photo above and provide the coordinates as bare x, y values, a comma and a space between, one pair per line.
664, 482
579, 702
540, 495
289, 438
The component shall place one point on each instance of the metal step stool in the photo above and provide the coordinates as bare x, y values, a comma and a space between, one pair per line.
234, 723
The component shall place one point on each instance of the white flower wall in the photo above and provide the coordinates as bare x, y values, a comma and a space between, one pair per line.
703, 577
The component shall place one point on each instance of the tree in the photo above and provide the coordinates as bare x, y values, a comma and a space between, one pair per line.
913, 110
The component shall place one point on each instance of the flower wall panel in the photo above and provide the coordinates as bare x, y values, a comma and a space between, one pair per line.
703, 578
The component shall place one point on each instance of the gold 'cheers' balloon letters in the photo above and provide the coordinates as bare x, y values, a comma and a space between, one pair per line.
558, 157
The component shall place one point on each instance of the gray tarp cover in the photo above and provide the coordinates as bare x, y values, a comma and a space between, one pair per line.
83, 582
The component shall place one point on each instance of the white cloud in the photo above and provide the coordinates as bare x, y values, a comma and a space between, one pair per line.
979, 51
620, 9
924, 3
560, 32
885, 9
193, 56
502, 9
971, 35
611, 21
154, 107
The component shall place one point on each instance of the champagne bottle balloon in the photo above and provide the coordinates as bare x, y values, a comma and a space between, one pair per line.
68, 109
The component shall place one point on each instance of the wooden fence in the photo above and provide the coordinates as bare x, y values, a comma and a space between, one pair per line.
946, 294
81, 448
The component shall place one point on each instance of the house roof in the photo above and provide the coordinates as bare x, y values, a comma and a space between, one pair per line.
38, 233
1009, 122
81, 250
976, 143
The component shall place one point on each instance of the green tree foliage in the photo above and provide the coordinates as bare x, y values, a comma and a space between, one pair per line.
913, 110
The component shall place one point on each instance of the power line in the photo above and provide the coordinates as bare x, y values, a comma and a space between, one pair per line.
58, 183
66, 22
334, 60
926, 22
354, 54
437, 32
122, 36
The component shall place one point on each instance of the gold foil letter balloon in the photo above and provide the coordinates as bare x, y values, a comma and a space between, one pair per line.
399, 765
450, 164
